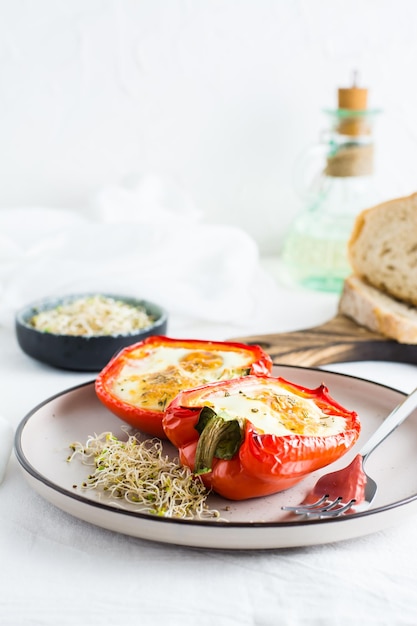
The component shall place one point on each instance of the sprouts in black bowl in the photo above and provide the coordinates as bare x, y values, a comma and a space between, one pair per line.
83, 332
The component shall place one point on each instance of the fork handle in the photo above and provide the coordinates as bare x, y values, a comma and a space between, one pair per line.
390, 423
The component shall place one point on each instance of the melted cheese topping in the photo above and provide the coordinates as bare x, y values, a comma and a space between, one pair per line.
151, 380
277, 413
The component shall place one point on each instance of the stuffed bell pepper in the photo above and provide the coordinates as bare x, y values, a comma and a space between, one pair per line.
256, 436
140, 381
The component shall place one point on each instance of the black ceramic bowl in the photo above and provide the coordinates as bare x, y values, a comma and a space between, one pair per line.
78, 352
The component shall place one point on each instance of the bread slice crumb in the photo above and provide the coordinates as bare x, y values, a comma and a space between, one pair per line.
383, 247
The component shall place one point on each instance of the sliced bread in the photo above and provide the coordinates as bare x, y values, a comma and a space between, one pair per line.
383, 247
379, 312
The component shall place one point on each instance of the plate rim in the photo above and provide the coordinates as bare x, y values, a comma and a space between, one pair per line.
204, 523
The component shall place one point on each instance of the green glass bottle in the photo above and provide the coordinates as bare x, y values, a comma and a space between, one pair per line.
314, 252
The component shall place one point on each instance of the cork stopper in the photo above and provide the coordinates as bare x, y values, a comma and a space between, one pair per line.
353, 99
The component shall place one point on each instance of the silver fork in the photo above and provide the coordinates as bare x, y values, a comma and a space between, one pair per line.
351, 489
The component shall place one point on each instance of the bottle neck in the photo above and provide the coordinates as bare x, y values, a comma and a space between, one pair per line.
352, 157
351, 145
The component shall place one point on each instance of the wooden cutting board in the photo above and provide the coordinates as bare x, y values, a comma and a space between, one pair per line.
338, 340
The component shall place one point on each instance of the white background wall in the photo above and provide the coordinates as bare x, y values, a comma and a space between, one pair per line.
219, 96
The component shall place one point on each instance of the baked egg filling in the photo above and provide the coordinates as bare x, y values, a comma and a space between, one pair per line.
153, 378
283, 413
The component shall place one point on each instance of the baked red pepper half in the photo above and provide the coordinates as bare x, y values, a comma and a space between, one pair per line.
256, 436
140, 381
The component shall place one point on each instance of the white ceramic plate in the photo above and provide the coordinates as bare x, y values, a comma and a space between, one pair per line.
44, 435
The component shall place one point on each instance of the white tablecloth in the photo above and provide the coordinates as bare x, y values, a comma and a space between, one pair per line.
56, 569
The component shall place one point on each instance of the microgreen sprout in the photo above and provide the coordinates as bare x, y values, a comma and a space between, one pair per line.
140, 473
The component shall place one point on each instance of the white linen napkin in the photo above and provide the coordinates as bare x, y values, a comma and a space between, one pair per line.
134, 242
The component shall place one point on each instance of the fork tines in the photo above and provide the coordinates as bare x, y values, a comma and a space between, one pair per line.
322, 508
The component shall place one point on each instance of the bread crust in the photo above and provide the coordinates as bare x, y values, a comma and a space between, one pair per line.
377, 311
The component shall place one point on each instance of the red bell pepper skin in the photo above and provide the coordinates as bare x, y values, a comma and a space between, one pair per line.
165, 385
264, 463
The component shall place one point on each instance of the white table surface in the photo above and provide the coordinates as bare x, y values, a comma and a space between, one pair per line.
56, 569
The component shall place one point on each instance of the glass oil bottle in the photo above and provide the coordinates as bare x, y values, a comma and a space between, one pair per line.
314, 252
